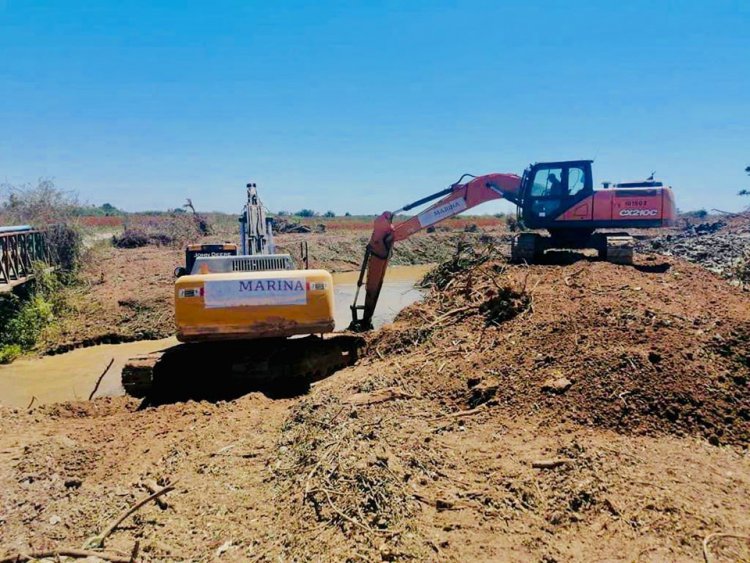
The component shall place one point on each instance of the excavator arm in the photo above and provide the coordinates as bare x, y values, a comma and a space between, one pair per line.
455, 199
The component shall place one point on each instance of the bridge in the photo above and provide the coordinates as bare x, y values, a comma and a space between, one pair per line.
20, 247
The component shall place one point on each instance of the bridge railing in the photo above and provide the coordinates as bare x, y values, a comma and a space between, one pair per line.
20, 248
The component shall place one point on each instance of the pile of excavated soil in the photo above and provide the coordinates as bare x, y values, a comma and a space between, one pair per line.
660, 347
547, 413
427, 449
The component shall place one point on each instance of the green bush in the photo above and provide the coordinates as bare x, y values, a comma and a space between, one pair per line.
697, 214
9, 352
26, 327
23, 319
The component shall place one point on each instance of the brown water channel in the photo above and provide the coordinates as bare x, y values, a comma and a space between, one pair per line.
72, 375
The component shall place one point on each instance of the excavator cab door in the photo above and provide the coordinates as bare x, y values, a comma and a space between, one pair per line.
553, 188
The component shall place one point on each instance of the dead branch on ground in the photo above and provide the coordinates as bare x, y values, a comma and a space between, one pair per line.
711, 537
66, 552
99, 381
551, 463
98, 541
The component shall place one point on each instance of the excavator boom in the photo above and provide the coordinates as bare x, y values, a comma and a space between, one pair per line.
455, 199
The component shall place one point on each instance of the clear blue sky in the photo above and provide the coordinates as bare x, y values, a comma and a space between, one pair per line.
364, 106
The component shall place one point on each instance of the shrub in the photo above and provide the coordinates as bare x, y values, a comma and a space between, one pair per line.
9, 352
48, 208
697, 214
130, 238
65, 245
39, 205
24, 318
26, 327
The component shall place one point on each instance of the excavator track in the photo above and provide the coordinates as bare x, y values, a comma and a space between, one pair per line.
217, 369
618, 248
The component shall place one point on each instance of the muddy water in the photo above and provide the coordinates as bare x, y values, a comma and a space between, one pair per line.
398, 292
73, 375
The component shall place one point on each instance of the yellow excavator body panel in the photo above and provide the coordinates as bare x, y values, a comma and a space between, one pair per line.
248, 305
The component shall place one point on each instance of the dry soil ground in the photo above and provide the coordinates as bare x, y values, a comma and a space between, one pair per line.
628, 384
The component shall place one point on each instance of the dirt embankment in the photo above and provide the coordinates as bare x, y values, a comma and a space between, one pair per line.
613, 380
126, 293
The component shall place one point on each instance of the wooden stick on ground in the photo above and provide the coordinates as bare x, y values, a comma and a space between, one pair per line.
99, 381
66, 552
710, 537
98, 541
151, 486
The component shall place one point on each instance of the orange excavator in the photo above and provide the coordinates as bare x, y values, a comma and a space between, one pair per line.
558, 197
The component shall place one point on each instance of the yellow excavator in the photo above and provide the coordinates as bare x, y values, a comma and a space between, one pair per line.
238, 314
223, 295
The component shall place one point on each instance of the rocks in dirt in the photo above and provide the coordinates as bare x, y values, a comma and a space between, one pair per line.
556, 385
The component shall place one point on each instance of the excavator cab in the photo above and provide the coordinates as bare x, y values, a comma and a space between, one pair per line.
548, 189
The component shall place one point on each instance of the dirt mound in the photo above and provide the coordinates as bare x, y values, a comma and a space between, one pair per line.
427, 449
518, 413
663, 346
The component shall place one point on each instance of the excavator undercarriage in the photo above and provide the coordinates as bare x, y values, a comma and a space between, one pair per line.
617, 248
213, 370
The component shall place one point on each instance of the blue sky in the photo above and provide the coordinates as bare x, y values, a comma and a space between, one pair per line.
365, 106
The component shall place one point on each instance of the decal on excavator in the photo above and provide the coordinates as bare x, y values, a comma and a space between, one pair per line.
639, 212
244, 293
435, 214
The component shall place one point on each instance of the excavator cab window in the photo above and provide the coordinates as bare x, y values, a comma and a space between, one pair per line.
555, 187
576, 180
546, 192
